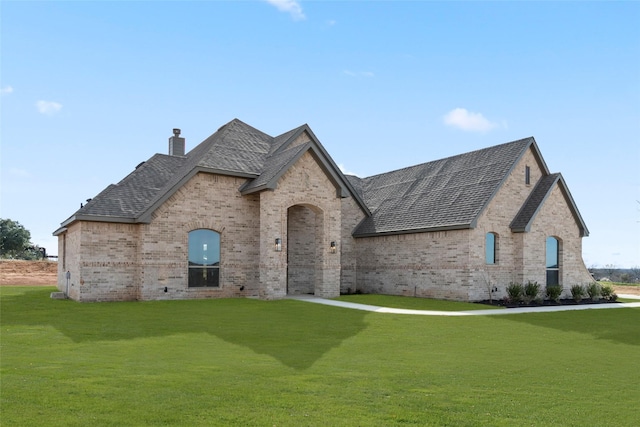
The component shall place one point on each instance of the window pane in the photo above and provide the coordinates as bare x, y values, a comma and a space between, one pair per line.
490, 248
204, 258
204, 277
553, 277
204, 247
552, 252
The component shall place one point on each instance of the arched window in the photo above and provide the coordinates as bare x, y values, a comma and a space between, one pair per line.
204, 258
553, 261
491, 248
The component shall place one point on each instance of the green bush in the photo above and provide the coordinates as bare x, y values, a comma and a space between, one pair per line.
594, 291
606, 291
578, 292
554, 292
515, 292
531, 291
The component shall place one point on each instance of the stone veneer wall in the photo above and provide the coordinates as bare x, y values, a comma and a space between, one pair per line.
112, 261
69, 260
102, 260
352, 214
431, 265
521, 257
496, 219
451, 264
555, 219
211, 202
306, 184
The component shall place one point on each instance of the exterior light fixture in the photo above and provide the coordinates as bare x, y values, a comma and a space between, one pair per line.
278, 245
334, 247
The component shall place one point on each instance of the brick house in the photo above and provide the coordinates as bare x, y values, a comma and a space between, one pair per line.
244, 214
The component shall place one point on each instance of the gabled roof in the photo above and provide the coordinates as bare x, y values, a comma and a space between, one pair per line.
285, 153
445, 194
236, 149
523, 220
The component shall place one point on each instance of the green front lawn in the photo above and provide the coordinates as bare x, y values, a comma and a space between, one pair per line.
292, 363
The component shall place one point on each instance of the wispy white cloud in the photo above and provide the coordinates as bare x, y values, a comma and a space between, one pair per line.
358, 73
469, 121
331, 22
48, 107
6, 90
292, 7
345, 171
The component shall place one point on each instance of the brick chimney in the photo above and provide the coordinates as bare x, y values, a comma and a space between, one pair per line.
176, 144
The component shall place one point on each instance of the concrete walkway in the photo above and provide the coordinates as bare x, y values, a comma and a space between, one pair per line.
491, 312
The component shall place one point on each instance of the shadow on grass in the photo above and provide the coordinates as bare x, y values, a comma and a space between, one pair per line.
618, 325
295, 333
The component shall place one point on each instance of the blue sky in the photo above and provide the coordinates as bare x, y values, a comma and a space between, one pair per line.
90, 89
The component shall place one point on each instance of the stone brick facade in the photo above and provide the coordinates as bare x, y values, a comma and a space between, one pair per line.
116, 262
451, 264
308, 211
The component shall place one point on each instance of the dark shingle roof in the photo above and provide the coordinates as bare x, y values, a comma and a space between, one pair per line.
131, 195
274, 166
236, 149
523, 219
443, 194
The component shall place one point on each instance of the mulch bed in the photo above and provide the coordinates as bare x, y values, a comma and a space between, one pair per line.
546, 303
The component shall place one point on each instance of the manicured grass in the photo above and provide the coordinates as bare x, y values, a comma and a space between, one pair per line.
619, 283
413, 303
292, 363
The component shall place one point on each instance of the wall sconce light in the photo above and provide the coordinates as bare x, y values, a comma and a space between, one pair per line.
334, 247
278, 246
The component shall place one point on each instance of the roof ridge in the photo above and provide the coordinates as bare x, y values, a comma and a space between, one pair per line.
279, 141
529, 139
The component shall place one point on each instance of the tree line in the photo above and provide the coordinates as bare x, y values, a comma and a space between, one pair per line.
15, 242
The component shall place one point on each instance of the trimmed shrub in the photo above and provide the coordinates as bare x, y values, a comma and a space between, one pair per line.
578, 292
594, 291
531, 291
515, 292
606, 291
554, 292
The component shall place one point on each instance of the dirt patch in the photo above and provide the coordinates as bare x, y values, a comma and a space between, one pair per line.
630, 290
28, 273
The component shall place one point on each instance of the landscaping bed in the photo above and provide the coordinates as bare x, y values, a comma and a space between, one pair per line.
545, 303
532, 294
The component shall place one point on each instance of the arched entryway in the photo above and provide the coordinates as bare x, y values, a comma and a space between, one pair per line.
305, 249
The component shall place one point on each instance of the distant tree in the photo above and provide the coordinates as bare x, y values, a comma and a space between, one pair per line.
635, 272
625, 278
14, 238
610, 269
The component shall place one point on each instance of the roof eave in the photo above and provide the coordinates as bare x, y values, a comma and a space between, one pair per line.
584, 231
416, 230
59, 231
93, 218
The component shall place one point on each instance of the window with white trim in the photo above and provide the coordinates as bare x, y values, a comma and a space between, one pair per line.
204, 259
491, 248
553, 261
